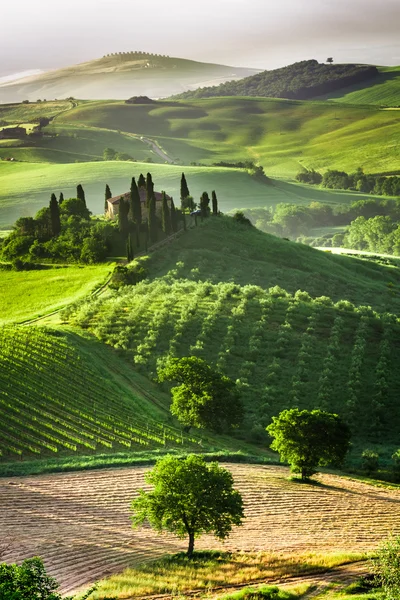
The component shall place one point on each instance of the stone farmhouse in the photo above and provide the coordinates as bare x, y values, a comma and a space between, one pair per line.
113, 203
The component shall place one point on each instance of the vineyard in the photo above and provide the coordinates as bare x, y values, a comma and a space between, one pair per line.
282, 349
79, 523
61, 394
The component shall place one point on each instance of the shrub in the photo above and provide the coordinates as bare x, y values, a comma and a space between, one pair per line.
369, 461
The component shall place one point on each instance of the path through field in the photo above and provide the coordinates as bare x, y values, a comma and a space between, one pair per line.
79, 522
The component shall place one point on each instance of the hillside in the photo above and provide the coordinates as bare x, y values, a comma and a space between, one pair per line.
383, 90
121, 75
272, 342
300, 81
63, 394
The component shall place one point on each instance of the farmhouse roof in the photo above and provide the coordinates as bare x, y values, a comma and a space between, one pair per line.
143, 196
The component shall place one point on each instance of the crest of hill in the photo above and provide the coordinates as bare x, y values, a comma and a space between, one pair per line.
230, 294
121, 75
299, 81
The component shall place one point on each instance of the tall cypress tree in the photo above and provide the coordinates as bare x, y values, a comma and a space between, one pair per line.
123, 223
165, 216
149, 188
184, 191
129, 249
80, 194
214, 203
135, 206
152, 220
174, 219
55, 222
107, 196
141, 181
61, 199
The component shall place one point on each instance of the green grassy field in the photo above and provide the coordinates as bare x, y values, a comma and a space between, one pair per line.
382, 91
271, 342
28, 294
282, 135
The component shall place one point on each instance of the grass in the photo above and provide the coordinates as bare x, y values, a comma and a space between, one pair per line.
211, 571
26, 295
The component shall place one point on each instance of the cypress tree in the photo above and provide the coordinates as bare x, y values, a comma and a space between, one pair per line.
129, 249
214, 203
174, 219
149, 188
165, 216
204, 205
123, 222
141, 181
135, 207
152, 219
184, 191
61, 199
107, 196
55, 223
80, 194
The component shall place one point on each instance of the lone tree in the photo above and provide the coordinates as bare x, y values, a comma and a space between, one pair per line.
107, 196
54, 216
190, 497
203, 397
309, 439
329, 60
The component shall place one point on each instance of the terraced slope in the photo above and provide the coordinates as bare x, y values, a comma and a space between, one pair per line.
61, 394
283, 350
79, 523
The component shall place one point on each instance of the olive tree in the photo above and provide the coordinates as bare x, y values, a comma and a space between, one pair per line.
190, 497
308, 439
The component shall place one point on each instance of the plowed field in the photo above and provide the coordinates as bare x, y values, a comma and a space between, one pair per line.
79, 522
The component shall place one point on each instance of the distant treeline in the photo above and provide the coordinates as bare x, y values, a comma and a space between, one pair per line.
358, 181
300, 81
136, 54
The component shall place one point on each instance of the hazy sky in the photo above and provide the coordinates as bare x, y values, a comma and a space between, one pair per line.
46, 34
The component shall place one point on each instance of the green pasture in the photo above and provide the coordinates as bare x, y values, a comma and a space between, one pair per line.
21, 112
27, 294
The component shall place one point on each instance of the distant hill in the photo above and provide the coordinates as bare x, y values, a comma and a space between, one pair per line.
383, 90
121, 76
300, 81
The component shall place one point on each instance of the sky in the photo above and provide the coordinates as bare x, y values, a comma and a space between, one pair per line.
265, 34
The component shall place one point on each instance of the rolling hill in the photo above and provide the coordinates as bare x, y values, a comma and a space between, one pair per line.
219, 293
383, 90
121, 75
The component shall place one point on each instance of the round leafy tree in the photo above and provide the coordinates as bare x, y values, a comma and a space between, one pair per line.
204, 397
309, 439
190, 497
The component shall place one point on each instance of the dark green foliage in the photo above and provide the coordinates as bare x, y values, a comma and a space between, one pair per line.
130, 275
174, 217
204, 397
123, 221
240, 218
135, 206
74, 207
27, 582
184, 191
141, 181
165, 216
308, 439
188, 204
214, 203
387, 568
152, 219
190, 498
61, 198
309, 176
80, 194
205, 205
299, 81
107, 196
129, 249
149, 188
140, 100
54, 216
369, 461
